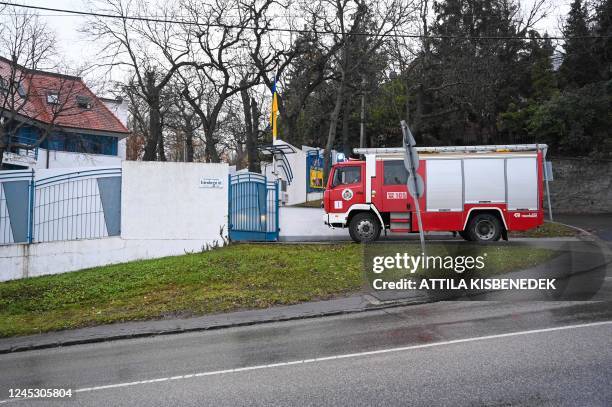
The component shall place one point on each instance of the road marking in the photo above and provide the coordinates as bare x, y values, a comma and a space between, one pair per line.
335, 357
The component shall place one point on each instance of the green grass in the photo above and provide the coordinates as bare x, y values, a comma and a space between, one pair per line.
236, 277
240, 276
548, 229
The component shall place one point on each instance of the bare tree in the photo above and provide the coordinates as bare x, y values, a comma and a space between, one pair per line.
361, 27
223, 33
28, 44
151, 51
183, 122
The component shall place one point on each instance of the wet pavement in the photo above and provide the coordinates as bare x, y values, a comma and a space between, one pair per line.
600, 225
549, 366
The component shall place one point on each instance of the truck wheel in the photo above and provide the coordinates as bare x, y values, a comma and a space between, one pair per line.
484, 228
465, 235
364, 228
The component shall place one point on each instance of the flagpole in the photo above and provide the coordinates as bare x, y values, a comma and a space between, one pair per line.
274, 130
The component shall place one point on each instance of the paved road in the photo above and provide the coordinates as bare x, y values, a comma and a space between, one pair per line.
422, 355
601, 225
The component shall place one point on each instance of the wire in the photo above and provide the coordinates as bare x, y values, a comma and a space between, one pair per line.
291, 30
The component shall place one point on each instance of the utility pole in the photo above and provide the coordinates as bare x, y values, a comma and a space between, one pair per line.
362, 123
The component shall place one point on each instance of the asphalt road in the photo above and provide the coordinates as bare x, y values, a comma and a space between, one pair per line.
600, 225
455, 353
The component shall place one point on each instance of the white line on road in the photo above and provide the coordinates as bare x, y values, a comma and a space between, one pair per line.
335, 357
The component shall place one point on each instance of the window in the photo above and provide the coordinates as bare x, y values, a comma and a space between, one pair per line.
82, 143
347, 175
84, 102
53, 98
395, 173
20, 90
4, 85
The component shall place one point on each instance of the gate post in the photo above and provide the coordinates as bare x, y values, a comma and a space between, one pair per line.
32, 189
229, 206
276, 207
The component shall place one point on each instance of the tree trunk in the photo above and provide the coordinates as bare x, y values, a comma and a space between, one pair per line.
161, 152
189, 142
346, 147
254, 165
150, 153
249, 108
212, 156
333, 124
418, 116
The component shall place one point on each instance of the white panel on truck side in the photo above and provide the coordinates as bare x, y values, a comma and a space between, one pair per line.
444, 185
484, 180
522, 178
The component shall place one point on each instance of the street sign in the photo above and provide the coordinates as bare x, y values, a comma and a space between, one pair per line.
548, 172
415, 182
411, 157
419, 185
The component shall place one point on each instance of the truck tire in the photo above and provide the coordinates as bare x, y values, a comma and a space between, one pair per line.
484, 227
465, 235
364, 228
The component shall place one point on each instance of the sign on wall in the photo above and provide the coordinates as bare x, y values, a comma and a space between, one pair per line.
210, 183
314, 171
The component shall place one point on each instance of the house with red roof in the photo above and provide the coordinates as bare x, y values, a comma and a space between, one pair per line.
51, 120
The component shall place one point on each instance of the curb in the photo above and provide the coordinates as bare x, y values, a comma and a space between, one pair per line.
375, 305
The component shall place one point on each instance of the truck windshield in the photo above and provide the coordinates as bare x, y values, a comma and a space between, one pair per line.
346, 175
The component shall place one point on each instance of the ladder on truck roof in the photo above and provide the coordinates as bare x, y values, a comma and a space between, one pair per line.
456, 149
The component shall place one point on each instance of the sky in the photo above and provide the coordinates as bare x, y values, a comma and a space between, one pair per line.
75, 48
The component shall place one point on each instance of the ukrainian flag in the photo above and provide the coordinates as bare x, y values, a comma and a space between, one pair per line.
274, 113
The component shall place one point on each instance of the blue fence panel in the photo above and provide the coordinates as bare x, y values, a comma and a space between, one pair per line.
78, 205
253, 208
15, 214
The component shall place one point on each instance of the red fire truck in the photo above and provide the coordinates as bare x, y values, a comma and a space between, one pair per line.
480, 192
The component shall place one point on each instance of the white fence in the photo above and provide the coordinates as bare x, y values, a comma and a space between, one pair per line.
163, 211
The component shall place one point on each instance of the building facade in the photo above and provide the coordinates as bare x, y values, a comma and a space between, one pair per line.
51, 120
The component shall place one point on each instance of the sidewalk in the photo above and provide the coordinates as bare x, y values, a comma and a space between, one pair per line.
139, 329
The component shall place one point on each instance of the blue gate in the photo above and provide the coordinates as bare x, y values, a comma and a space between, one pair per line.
253, 208
71, 206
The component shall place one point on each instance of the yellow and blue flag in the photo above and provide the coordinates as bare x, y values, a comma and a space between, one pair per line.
274, 113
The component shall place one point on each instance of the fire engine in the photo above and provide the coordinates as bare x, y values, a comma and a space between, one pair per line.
479, 192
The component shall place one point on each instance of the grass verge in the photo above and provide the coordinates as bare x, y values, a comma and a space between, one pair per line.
548, 229
235, 277
239, 276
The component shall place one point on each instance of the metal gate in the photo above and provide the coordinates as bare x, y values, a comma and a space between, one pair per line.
253, 208
71, 206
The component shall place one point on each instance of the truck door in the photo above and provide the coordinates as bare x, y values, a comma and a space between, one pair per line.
346, 187
393, 189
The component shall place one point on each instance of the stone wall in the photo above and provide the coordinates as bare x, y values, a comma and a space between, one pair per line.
581, 186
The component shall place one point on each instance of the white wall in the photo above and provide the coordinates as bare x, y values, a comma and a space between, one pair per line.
119, 107
164, 213
20, 261
165, 201
304, 224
